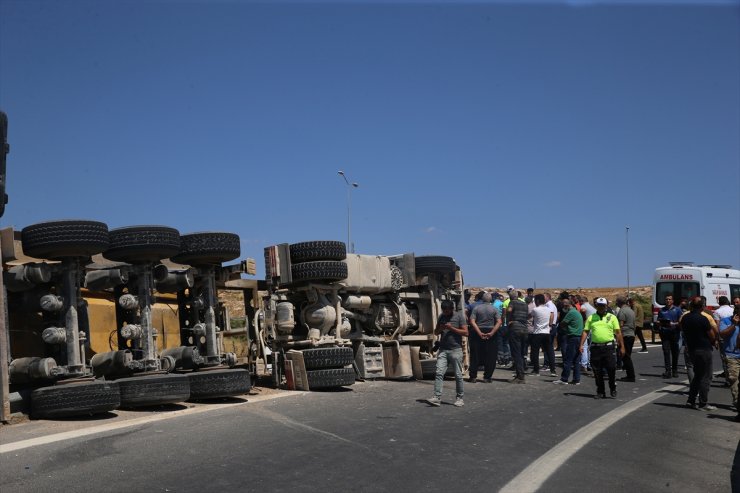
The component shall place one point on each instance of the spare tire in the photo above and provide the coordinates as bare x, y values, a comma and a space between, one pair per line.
137, 244
208, 248
59, 239
434, 264
330, 378
153, 390
429, 368
329, 357
74, 399
309, 251
323, 270
211, 384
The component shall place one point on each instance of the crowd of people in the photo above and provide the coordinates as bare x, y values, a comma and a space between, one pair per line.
593, 338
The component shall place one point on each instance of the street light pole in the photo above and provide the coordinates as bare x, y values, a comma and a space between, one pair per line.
350, 186
627, 236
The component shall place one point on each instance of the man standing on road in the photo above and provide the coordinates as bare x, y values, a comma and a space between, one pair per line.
639, 322
668, 318
587, 309
517, 313
729, 330
485, 321
453, 327
604, 328
553, 332
626, 317
542, 319
699, 337
571, 329
723, 312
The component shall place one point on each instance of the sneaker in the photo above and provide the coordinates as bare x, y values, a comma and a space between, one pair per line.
613, 393
675, 374
707, 407
516, 380
487, 380
435, 401
534, 372
692, 405
472, 380
600, 396
459, 402
553, 374
559, 382
644, 350
574, 383
666, 375
737, 418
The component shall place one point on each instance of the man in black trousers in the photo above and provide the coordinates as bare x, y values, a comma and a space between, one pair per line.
700, 338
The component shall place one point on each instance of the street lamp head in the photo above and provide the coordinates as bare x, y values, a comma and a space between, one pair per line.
355, 185
341, 172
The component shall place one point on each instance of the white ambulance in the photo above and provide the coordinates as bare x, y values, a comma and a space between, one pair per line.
686, 280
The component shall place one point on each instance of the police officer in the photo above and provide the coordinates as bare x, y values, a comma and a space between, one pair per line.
668, 318
604, 329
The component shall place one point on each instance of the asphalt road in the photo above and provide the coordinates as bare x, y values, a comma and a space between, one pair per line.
381, 436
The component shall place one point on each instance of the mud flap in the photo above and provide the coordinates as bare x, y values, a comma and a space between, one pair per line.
416, 363
295, 371
397, 360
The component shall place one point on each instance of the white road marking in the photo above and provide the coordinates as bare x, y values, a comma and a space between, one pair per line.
67, 435
534, 476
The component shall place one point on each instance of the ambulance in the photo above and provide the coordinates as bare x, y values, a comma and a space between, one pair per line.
686, 280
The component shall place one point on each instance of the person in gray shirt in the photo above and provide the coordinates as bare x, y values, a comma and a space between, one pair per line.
452, 327
485, 321
626, 317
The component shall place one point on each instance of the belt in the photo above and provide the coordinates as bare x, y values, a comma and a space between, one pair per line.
604, 344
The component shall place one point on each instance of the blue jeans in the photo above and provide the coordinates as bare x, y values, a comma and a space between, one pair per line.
572, 358
445, 357
503, 343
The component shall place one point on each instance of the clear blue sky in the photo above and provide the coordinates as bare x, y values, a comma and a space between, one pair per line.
520, 139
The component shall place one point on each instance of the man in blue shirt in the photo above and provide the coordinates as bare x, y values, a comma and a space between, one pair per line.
668, 318
729, 331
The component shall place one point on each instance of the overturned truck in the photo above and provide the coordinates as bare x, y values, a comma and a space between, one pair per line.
331, 317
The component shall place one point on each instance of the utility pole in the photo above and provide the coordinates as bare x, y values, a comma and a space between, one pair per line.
350, 186
627, 236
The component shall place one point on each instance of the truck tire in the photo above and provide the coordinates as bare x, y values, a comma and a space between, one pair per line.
309, 251
138, 244
75, 399
434, 264
330, 357
153, 390
323, 270
211, 384
59, 239
329, 378
208, 248
428, 368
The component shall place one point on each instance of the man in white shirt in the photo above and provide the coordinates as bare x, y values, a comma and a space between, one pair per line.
553, 331
542, 319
